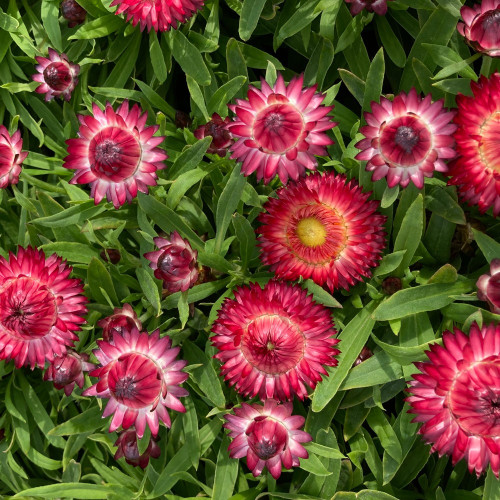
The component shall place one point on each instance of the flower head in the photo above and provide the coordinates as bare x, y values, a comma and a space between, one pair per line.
377, 6
274, 341
280, 130
122, 319
40, 307
73, 12
457, 397
407, 139
57, 76
322, 228
11, 157
115, 153
140, 376
160, 15
127, 447
217, 129
268, 435
488, 286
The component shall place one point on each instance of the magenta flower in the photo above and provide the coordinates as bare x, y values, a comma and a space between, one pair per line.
377, 6
11, 157
488, 286
73, 12
128, 448
122, 319
217, 129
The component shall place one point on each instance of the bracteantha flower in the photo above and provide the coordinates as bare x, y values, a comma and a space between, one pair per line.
128, 448
323, 228
457, 397
123, 318
407, 139
377, 6
476, 171
58, 76
140, 376
481, 27
11, 157
40, 307
274, 341
488, 286
267, 435
217, 129
160, 15
280, 130
73, 12
115, 153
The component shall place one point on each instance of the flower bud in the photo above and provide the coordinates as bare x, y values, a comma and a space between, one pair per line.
122, 319
363, 356
221, 137
391, 285
110, 255
73, 12
127, 448
488, 287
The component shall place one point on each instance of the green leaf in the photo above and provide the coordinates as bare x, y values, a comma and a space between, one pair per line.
388, 439
374, 80
150, 288
50, 20
321, 295
224, 94
491, 487
72, 251
487, 245
157, 57
323, 451
405, 355
390, 41
102, 26
389, 263
448, 59
88, 421
189, 58
99, 279
75, 490
77, 214
250, 14
355, 85
301, 18
442, 203
319, 63
245, 235
197, 97
226, 472
180, 462
155, 99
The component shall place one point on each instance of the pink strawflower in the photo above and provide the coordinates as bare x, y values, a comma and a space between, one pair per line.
488, 286
457, 397
116, 153
73, 12
377, 6
268, 435
141, 377
217, 129
11, 157
274, 341
122, 319
280, 130
41, 308
128, 448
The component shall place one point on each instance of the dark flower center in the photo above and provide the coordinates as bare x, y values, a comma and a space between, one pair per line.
267, 437
107, 152
491, 20
407, 138
57, 76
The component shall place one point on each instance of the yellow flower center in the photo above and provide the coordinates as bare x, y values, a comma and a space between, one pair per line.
490, 142
311, 232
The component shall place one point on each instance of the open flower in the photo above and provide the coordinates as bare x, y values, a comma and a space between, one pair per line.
115, 153
217, 129
407, 139
274, 341
128, 448
488, 286
377, 6
280, 130
11, 157
457, 397
268, 436
73, 12
322, 228
122, 319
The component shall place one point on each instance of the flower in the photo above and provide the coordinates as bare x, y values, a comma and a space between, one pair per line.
268, 435
11, 157
174, 262
365, 354
391, 285
274, 341
476, 171
127, 447
40, 307
73, 12
322, 228
407, 139
488, 286
57, 76
481, 27
377, 6
221, 138
140, 376
122, 319
160, 15
67, 370
457, 397
280, 129
116, 153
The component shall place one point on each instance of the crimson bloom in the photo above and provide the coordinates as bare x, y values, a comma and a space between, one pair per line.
377, 6
268, 435
128, 448
40, 307
11, 157
122, 319
140, 376
407, 139
73, 12
323, 228
280, 130
457, 397
274, 341
115, 153
488, 286
217, 129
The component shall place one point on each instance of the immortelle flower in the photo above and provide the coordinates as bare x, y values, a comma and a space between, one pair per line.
407, 139
476, 171
217, 129
457, 397
488, 286
481, 27
115, 153
123, 318
67, 370
57, 76
40, 307
377, 6
267, 435
160, 15
323, 228
73, 12
128, 448
11, 157
140, 376
280, 129
274, 341
174, 262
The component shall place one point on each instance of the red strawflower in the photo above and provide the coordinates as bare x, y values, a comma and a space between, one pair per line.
377, 6
127, 447
407, 139
11, 157
363, 356
174, 262
122, 319
481, 27
58, 76
280, 130
160, 15
40, 307
140, 376
73, 12
476, 171
115, 153
217, 129
274, 341
488, 286
322, 228
457, 397
268, 435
